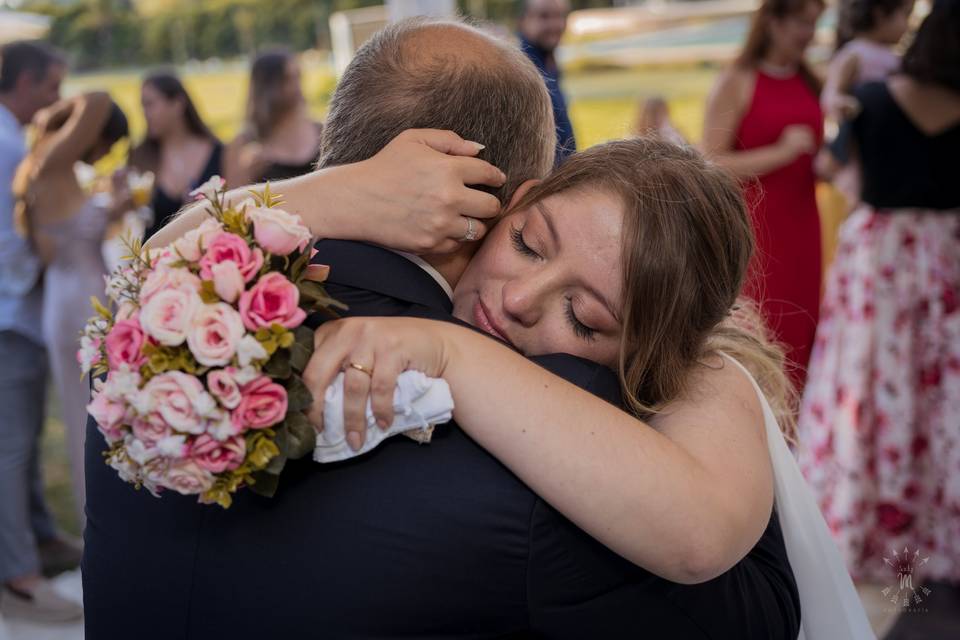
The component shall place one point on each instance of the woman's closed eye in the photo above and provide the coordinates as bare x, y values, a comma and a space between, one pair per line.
583, 331
516, 236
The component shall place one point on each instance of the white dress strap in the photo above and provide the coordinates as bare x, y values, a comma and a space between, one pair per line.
830, 608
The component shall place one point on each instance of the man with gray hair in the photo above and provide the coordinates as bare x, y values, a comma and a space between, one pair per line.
30, 77
407, 541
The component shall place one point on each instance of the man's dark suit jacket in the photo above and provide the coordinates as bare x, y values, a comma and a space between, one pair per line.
409, 541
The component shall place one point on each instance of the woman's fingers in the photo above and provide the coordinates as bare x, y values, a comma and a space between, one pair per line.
324, 365
382, 386
444, 141
475, 171
357, 373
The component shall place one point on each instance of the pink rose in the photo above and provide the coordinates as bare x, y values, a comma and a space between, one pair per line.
263, 404
186, 477
273, 299
215, 456
124, 344
194, 242
179, 400
151, 430
167, 317
277, 231
108, 413
214, 333
229, 247
227, 281
224, 387
163, 278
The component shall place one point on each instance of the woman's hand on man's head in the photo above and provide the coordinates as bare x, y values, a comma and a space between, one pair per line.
413, 194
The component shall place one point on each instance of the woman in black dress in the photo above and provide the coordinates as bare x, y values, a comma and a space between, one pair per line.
179, 148
280, 139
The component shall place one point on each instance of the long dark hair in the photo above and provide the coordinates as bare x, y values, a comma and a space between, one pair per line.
146, 155
934, 55
264, 103
758, 37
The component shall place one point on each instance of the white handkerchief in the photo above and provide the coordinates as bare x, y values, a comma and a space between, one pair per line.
419, 403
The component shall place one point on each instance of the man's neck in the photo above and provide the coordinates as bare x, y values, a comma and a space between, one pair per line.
10, 104
451, 266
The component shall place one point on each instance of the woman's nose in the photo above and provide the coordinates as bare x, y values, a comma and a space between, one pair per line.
522, 301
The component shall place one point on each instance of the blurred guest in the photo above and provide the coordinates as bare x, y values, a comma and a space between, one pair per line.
653, 118
541, 26
764, 123
179, 149
65, 226
30, 546
880, 419
280, 139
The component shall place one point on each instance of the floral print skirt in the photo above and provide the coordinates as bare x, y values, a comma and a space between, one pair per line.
879, 427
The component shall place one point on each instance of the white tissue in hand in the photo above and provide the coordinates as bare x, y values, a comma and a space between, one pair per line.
419, 403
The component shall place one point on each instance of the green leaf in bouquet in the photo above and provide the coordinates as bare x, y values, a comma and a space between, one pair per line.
301, 436
315, 296
208, 293
299, 397
101, 310
277, 462
301, 349
299, 265
279, 365
264, 483
261, 449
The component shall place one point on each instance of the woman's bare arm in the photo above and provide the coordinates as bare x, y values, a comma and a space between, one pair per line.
726, 106
81, 130
411, 196
686, 496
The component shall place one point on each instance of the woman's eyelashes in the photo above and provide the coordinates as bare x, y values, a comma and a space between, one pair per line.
516, 235
581, 330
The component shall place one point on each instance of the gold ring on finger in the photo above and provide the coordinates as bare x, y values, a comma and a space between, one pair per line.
361, 368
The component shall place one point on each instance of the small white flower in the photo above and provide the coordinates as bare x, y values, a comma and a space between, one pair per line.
142, 402
88, 354
245, 375
123, 465
208, 189
123, 384
221, 426
204, 404
139, 452
249, 350
173, 446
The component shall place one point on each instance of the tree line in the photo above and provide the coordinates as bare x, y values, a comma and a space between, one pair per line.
109, 33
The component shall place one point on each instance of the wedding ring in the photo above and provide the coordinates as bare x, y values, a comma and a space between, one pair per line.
471, 233
361, 368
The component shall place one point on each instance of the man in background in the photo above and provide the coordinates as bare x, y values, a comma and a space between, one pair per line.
30, 78
541, 27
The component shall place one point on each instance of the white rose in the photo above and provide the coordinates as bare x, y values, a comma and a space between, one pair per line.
168, 315
215, 331
194, 242
277, 231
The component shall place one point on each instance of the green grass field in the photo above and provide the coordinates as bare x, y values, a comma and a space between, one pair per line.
603, 105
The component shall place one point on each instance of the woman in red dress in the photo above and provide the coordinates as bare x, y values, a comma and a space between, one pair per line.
764, 123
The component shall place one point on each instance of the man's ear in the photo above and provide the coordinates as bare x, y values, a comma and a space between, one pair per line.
522, 191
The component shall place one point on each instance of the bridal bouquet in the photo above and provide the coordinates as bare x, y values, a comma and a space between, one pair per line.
202, 345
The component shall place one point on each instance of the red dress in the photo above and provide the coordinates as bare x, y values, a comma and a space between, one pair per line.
785, 275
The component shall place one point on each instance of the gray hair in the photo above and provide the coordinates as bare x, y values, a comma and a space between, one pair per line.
421, 73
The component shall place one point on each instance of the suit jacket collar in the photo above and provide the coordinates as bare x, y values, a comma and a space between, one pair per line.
366, 266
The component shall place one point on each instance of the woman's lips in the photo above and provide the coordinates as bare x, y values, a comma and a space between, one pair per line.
482, 318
